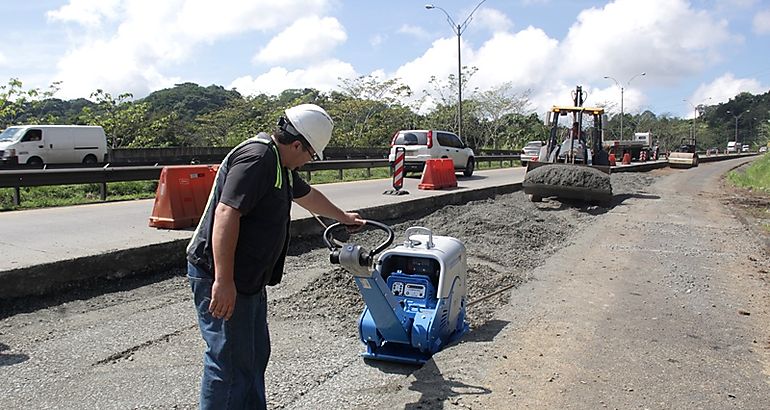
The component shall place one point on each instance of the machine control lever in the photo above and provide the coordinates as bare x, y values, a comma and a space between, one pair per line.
333, 245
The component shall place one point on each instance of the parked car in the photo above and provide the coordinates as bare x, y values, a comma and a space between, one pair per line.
745, 148
712, 151
763, 148
422, 145
733, 147
530, 152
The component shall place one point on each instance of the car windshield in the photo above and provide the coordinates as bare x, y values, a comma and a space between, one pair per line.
412, 138
10, 134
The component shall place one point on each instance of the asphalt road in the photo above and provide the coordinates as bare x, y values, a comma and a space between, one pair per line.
33, 237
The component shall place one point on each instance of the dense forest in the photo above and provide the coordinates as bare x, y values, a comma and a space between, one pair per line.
367, 111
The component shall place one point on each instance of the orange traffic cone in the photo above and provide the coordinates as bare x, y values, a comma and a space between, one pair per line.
626, 158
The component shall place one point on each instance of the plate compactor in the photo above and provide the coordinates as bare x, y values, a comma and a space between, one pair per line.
415, 294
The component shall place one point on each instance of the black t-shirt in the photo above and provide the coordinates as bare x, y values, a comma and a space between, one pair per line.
252, 180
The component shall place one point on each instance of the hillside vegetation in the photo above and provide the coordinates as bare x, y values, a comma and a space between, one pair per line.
367, 112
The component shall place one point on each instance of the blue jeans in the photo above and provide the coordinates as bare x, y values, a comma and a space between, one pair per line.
237, 349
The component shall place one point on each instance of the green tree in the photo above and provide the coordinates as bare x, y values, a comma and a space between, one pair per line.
121, 118
368, 110
16, 103
493, 105
444, 94
229, 126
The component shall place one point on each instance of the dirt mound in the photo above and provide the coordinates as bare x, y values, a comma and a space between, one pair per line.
505, 238
569, 176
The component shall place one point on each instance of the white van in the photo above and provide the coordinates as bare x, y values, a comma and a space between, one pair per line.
733, 147
53, 144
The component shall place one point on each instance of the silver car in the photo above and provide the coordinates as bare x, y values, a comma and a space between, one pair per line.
530, 152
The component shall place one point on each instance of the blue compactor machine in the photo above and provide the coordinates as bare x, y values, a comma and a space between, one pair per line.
415, 294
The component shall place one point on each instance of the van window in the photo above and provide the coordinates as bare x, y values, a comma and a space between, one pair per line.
32, 135
412, 138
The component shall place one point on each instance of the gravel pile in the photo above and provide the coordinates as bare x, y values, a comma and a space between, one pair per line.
504, 238
569, 176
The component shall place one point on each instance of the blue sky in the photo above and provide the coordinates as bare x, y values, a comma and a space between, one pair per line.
702, 51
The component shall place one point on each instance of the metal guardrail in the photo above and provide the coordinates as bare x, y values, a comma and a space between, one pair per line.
19, 178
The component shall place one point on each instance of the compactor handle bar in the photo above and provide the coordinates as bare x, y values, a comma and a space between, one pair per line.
332, 244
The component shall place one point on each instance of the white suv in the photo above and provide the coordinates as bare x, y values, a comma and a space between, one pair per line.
530, 152
422, 145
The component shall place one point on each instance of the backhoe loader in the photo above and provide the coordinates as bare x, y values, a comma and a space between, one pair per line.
572, 165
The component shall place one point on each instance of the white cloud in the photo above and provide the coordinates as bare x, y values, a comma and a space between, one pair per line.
724, 88
377, 40
440, 60
666, 38
324, 77
491, 19
524, 58
307, 38
151, 36
762, 22
415, 31
86, 12
82, 74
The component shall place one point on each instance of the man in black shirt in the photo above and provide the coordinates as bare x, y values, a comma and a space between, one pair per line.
240, 245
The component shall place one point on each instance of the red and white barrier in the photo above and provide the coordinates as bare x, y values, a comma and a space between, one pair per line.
398, 169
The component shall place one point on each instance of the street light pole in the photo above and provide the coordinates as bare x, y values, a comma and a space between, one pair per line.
694, 114
622, 113
459, 88
737, 117
458, 29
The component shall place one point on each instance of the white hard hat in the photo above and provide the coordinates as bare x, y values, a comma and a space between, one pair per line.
313, 123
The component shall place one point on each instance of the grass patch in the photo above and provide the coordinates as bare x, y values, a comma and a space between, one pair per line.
755, 176
66, 195
496, 164
329, 176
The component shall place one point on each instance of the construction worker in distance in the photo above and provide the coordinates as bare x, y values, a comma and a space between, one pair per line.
239, 248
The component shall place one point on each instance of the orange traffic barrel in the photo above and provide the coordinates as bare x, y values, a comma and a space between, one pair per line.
438, 174
181, 195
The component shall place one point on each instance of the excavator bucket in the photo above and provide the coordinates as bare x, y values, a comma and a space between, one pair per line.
589, 183
682, 160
